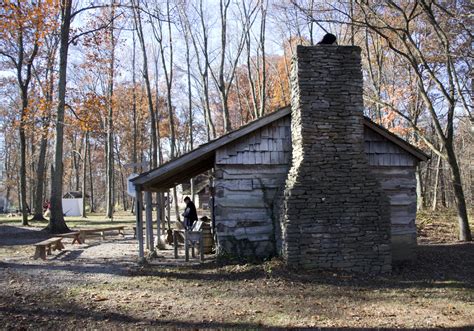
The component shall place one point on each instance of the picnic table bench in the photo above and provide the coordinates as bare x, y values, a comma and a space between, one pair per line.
76, 235
84, 232
44, 247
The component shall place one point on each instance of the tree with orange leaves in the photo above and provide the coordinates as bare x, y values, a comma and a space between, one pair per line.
22, 30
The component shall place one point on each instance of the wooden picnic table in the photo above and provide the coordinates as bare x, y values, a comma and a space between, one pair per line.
84, 232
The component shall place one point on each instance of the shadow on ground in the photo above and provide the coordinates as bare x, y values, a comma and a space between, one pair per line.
80, 317
436, 266
16, 236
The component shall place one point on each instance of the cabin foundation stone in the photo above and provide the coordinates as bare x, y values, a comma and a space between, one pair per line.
335, 214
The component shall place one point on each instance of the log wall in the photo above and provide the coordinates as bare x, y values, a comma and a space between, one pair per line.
249, 176
395, 169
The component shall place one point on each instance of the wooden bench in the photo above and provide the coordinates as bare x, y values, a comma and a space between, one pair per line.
44, 247
76, 235
191, 238
84, 232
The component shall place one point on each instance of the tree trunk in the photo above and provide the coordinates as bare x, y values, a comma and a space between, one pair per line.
110, 138
176, 205
434, 205
146, 77
91, 181
38, 203
84, 174
463, 220
420, 199
442, 186
56, 221
134, 109
23, 203
75, 163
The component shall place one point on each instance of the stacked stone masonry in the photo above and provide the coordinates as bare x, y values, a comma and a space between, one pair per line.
335, 214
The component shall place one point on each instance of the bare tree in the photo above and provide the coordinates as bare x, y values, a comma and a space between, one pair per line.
46, 83
226, 71
159, 34
139, 29
109, 122
56, 220
201, 49
401, 39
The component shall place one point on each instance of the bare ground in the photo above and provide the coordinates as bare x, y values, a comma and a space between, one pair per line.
98, 285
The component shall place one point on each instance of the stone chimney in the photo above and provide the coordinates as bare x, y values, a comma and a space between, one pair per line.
335, 214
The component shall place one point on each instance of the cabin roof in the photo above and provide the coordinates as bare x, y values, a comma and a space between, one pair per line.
74, 195
202, 158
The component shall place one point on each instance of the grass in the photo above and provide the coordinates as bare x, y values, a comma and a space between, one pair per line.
92, 220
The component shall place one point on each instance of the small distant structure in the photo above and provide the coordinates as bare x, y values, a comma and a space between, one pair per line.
74, 195
73, 202
3, 203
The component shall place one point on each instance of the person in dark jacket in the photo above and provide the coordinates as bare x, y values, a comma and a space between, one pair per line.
190, 213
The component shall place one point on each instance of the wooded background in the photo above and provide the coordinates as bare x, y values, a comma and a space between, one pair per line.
88, 88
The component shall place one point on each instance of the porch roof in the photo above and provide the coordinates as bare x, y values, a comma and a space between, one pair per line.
200, 159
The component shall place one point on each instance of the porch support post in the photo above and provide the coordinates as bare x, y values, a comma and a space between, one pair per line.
149, 222
159, 218
139, 217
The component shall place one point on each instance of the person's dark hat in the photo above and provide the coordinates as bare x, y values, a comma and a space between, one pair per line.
328, 39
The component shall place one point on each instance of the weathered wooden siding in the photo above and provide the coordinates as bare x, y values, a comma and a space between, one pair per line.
268, 145
395, 169
400, 185
382, 152
244, 208
250, 175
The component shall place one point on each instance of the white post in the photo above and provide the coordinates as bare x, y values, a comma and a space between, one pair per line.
139, 225
149, 222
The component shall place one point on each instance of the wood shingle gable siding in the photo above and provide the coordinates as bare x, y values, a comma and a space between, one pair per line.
383, 152
268, 145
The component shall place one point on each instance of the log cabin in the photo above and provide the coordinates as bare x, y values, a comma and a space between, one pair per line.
316, 182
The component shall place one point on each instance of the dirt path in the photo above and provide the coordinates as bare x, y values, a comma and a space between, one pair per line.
98, 285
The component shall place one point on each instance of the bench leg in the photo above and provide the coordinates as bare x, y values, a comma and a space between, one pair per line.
193, 254
77, 238
186, 246
201, 247
40, 253
59, 246
48, 250
175, 244
103, 235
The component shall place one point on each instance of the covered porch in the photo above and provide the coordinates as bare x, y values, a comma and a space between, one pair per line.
180, 170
